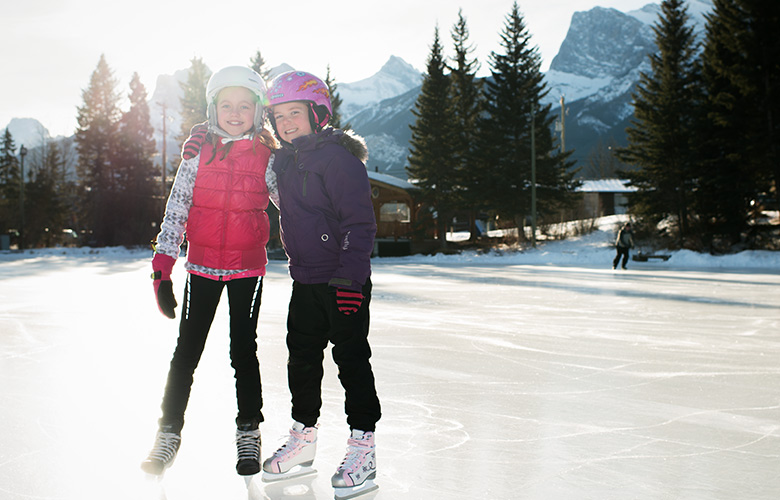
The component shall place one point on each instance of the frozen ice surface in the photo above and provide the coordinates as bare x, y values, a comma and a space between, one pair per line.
499, 379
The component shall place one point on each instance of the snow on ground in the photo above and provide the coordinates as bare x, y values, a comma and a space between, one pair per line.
535, 375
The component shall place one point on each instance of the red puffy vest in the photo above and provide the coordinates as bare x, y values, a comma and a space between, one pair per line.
227, 227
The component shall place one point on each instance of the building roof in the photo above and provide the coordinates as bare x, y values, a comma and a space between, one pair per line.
392, 181
606, 186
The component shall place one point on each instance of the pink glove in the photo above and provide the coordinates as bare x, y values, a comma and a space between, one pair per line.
162, 265
195, 141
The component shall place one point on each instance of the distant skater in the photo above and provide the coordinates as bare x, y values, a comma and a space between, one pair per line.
624, 241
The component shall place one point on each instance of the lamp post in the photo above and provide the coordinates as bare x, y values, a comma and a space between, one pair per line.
22, 154
533, 174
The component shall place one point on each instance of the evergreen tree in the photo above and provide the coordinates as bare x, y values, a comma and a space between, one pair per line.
96, 140
742, 132
431, 162
660, 138
465, 92
193, 100
258, 64
137, 205
9, 184
46, 211
335, 101
511, 110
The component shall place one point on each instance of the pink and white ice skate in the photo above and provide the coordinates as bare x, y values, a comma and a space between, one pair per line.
295, 457
355, 476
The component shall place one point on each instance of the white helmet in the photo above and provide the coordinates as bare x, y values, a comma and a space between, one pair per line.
235, 76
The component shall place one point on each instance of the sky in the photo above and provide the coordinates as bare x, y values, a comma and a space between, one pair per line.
51, 47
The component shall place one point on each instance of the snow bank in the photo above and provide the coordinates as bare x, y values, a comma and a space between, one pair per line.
591, 250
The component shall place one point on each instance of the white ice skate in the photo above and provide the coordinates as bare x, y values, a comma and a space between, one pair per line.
166, 446
355, 476
295, 457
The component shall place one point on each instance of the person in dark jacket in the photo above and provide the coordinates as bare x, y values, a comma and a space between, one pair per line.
327, 228
624, 241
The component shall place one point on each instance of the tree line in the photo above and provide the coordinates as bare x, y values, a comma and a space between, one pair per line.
485, 146
705, 134
706, 129
105, 186
702, 148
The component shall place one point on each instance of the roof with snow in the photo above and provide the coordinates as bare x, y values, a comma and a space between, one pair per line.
391, 180
606, 186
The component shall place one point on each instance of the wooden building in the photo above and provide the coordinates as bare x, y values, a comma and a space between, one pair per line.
396, 209
605, 197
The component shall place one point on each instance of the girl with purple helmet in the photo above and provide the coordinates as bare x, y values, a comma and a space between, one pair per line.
327, 227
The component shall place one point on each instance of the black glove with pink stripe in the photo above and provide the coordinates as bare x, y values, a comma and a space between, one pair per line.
348, 301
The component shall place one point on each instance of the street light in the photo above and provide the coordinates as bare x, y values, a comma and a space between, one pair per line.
22, 154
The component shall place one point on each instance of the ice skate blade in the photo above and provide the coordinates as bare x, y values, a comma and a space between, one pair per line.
297, 471
355, 491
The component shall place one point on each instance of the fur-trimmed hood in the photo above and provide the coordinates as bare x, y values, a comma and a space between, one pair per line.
353, 143
347, 139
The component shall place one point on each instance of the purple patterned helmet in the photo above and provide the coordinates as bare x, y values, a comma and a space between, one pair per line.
302, 86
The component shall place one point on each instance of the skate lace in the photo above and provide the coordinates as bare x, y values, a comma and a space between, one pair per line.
165, 447
356, 455
247, 444
294, 442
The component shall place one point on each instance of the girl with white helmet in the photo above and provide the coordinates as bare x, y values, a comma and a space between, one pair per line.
219, 199
328, 227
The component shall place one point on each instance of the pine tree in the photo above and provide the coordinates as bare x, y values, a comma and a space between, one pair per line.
46, 208
193, 100
431, 162
137, 206
511, 109
742, 132
660, 138
465, 92
335, 101
96, 140
9, 184
258, 64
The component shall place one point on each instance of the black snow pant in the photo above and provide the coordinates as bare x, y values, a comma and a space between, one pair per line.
621, 251
313, 321
201, 297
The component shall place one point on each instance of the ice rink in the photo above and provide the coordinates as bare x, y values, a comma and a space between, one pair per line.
497, 380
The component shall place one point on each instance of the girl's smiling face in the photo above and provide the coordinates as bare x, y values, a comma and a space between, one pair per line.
292, 120
236, 110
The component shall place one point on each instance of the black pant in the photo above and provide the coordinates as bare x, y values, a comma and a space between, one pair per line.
621, 251
313, 321
201, 297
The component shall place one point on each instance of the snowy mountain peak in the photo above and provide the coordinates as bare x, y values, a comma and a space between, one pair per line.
603, 42
396, 77
28, 132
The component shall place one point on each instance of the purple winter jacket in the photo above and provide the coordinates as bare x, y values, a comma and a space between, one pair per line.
327, 218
